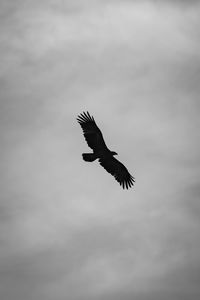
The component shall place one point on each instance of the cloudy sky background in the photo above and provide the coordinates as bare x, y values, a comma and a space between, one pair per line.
67, 229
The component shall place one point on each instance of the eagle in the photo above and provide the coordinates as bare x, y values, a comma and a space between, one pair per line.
95, 141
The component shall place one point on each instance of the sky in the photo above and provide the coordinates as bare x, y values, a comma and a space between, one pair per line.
67, 229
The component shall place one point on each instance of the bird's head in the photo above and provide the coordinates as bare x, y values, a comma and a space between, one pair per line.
114, 153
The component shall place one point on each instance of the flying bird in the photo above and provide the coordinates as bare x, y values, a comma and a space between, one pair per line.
95, 141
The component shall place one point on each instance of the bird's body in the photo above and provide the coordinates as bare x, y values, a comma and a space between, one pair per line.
95, 141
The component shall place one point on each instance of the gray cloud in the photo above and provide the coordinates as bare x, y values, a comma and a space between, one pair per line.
67, 229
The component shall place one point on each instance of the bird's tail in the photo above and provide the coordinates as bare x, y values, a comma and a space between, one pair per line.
89, 156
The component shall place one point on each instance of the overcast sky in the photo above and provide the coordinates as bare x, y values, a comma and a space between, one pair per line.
67, 229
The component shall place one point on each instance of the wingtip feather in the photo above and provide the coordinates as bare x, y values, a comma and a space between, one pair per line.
85, 117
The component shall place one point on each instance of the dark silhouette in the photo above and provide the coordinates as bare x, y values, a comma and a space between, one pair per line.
95, 141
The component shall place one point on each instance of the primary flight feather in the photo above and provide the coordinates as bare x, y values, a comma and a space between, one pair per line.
95, 141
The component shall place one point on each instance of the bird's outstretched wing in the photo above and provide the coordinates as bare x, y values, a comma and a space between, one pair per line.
118, 170
92, 133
